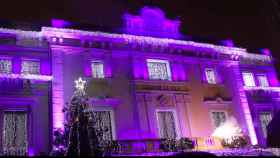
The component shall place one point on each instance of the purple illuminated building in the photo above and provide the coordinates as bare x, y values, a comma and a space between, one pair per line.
147, 83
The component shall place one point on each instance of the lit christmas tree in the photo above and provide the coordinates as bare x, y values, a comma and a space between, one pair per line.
80, 137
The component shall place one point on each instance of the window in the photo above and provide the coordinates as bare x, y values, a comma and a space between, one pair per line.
265, 118
103, 123
5, 66
262, 80
97, 69
158, 69
248, 79
167, 126
218, 118
14, 136
210, 75
30, 67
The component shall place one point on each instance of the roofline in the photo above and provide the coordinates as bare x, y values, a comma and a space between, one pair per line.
49, 32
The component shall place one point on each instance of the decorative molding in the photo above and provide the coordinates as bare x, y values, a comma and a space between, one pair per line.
104, 101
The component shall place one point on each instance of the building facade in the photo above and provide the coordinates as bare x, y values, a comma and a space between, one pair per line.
146, 83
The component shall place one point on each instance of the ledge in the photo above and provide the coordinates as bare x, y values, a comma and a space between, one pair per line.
262, 88
27, 76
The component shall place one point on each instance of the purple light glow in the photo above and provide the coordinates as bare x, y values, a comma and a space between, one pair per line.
87, 69
178, 73
228, 43
16, 65
57, 90
59, 23
151, 22
265, 51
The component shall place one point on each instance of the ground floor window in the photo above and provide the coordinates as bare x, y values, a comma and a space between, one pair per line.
218, 118
14, 136
167, 126
103, 123
265, 118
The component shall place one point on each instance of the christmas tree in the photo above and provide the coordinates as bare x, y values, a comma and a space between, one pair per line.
80, 138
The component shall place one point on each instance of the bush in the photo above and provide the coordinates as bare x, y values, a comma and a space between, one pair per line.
176, 145
235, 142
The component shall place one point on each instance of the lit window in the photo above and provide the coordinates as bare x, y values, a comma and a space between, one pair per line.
248, 79
5, 66
30, 67
218, 117
265, 118
167, 127
158, 69
262, 80
210, 75
97, 69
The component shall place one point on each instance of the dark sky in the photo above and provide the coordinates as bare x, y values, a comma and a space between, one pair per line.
249, 23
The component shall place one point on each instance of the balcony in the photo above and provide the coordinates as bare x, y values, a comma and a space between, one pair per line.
161, 85
154, 145
262, 94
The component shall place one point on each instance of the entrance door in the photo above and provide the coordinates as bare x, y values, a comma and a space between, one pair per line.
14, 136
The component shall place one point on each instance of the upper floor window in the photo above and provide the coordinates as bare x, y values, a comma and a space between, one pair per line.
248, 79
159, 69
210, 76
5, 66
218, 118
97, 68
262, 79
30, 67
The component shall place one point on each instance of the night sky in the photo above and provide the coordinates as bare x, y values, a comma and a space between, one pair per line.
252, 24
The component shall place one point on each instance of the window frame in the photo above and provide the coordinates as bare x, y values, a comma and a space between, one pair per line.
11, 66
213, 121
176, 121
262, 75
31, 60
253, 79
162, 61
112, 114
214, 73
259, 119
92, 69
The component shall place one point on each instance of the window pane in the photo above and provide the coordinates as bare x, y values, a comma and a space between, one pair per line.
167, 128
265, 118
210, 76
97, 69
219, 118
248, 79
263, 81
5, 66
158, 70
30, 67
103, 124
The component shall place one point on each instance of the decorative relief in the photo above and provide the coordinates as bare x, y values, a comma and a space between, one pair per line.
164, 100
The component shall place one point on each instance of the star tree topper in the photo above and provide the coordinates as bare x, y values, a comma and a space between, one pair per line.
80, 85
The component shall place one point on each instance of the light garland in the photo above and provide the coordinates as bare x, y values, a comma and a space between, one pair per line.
27, 76
262, 88
23, 34
59, 32
49, 31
